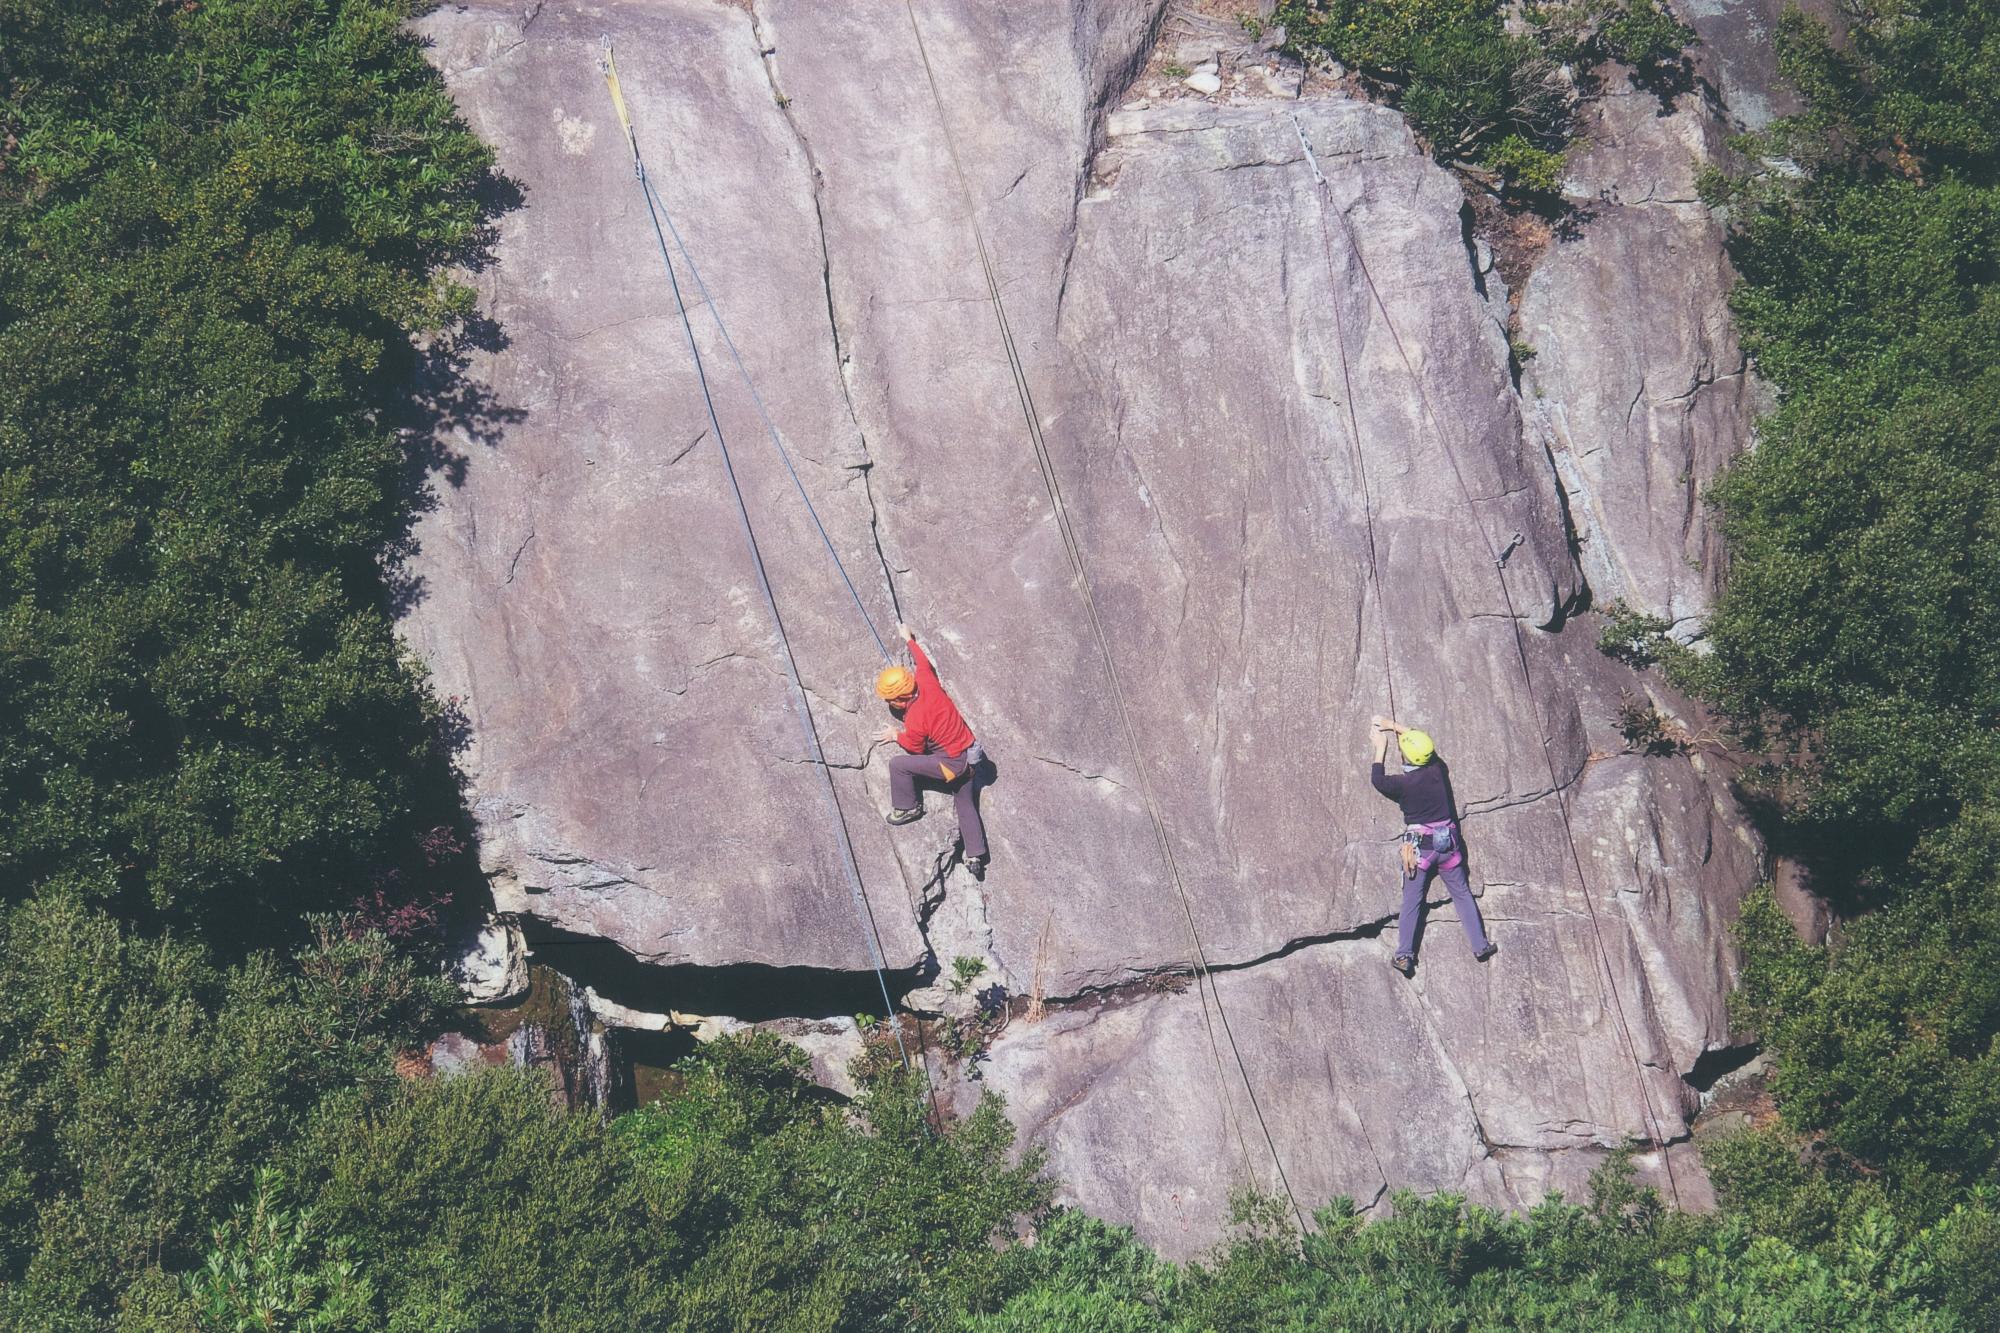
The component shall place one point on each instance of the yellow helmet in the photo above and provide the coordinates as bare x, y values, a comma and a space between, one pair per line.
1416, 747
896, 682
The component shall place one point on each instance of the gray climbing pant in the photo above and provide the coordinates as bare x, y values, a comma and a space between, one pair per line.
956, 775
1461, 897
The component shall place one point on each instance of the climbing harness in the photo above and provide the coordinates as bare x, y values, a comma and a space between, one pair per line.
1213, 1013
1608, 981
808, 730
1435, 844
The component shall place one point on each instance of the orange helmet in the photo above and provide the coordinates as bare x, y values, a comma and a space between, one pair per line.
896, 682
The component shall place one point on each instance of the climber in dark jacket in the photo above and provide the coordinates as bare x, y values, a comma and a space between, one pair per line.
938, 746
1431, 842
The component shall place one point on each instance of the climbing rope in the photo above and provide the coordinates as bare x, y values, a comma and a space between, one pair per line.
1214, 1015
1354, 436
1499, 560
770, 427
802, 708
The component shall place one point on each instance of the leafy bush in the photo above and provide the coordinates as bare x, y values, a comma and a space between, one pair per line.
1910, 88
1636, 638
476, 1203
797, 1215
1463, 83
1858, 609
1621, 1263
220, 223
1645, 35
1646, 730
1473, 92
1857, 629
271, 1268
139, 1083
1886, 1044
1527, 168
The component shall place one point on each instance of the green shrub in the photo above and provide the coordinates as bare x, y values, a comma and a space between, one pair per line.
1886, 1043
139, 1083
1528, 169
270, 1267
1645, 35
476, 1203
1621, 1263
1910, 86
1475, 93
1857, 612
798, 1215
220, 224
1636, 638
1462, 82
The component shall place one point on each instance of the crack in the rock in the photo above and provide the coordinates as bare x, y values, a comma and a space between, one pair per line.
696, 668
689, 447
767, 57
1153, 980
1082, 773
515, 564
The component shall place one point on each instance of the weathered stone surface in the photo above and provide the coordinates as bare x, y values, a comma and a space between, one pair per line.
1181, 291
1637, 384
492, 964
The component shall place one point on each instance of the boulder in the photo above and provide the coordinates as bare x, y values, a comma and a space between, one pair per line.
491, 964
1282, 422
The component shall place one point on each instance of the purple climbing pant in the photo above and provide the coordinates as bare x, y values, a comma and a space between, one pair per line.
1453, 875
956, 777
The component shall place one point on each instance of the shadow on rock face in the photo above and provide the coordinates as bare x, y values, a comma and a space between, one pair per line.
752, 992
446, 406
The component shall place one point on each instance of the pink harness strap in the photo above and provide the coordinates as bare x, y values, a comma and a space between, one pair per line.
1434, 859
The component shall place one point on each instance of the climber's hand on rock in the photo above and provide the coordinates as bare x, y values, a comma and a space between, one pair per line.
886, 734
1384, 724
909, 635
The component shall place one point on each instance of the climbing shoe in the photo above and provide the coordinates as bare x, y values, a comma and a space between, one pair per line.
977, 865
906, 816
1405, 964
1486, 953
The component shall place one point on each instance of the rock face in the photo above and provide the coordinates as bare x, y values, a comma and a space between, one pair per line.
1637, 384
492, 964
1246, 414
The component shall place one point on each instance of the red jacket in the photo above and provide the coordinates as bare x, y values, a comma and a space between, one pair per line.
931, 724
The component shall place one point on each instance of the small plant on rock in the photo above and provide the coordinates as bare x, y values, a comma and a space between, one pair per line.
1646, 730
964, 971
1633, 637
1525, 168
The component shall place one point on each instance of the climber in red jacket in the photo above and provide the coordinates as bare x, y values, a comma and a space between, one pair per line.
938, 747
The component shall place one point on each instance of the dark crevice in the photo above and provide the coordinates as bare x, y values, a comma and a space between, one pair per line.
1470, 241
1175, 977
1711, 1067
753, 992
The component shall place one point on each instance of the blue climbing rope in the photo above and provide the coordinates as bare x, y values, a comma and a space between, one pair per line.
802, 707
770, 427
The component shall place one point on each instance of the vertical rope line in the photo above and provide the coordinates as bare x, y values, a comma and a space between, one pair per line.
1528, 682
1353, 425
1198, 960
802, 706
770, 427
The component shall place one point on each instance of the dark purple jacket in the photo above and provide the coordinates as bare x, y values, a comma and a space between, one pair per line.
1424, 793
